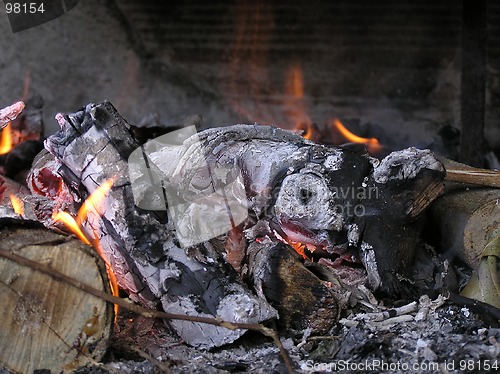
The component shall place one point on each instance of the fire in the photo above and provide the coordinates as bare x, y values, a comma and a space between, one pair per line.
17, 204
93, 203
68, 220
6, 139
372, 143
294, 104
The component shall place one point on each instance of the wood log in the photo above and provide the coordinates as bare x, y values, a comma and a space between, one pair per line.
465, 220
47, 324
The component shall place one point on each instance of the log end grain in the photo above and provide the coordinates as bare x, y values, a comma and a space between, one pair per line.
48, 324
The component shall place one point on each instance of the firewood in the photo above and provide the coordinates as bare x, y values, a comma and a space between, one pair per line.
47, 324
93, 146
465, 220
173, 195
303, 301
460, 173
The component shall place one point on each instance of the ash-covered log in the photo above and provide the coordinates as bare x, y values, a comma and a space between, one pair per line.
164, 225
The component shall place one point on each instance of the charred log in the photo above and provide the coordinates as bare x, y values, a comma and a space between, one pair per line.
302, 300
94, 145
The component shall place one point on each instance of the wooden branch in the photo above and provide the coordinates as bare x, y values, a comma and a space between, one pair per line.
460, 173
149, 313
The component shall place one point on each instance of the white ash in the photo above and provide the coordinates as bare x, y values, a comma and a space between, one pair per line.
305, 198
334, 161
405, 164
369, 261
353, 234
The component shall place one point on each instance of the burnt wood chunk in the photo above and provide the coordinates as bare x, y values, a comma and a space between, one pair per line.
406, 183
302, 300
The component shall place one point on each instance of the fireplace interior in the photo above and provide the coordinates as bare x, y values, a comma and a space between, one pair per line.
410, 74
390, 69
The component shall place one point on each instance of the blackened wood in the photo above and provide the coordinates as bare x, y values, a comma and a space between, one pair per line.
473, 81
303, 301
406, 182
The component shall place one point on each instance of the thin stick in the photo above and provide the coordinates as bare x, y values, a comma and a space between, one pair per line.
460, 173
149, 313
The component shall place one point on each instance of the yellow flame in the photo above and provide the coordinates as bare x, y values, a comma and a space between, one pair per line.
5, 140
17, 204
93, 202
372, 143
69, 221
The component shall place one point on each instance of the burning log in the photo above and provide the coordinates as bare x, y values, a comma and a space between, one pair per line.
48, 324
93, 147
163, 225
20, 140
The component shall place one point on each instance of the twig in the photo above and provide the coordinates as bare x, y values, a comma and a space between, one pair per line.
387, 314
149, 313
460, 173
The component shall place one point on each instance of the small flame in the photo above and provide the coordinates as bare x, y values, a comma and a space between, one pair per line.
70, 223
372, 143
6, 140
294, 104
17, 204
94, 203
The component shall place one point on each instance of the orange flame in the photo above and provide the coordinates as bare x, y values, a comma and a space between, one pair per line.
372, 143
294, 104
93, 202
6, 140
71, 224
17, 204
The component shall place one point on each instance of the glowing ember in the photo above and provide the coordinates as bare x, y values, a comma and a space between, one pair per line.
372, 143
17, 204
6, 140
